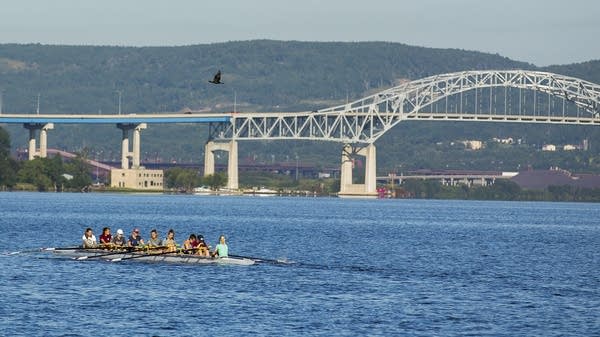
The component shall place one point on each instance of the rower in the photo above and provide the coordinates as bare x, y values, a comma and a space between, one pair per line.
203, 247
88, 238
135, 239
106, 237
221, 250
119, 239
153, 241
190, 244
169, 241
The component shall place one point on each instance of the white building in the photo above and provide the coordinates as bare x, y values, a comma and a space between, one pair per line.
138, 179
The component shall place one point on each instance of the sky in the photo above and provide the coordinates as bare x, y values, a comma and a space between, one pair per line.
541, 32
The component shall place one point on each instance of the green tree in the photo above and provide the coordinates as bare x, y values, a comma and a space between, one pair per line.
79, 169
180, 178
8, 166
215, 181
414, 187
37, 172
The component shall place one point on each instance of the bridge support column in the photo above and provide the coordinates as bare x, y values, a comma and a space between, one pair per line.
232, 162
209, 158
232, 166
124, 147
346, 169
369, 188
32, 149
43, 127
135, 153
137, 144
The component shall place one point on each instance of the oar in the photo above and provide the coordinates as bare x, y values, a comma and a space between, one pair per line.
122, 251
260, 259
24, 251
33, 250
144, 255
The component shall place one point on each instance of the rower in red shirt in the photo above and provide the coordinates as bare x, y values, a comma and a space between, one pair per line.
190, 243
106, 237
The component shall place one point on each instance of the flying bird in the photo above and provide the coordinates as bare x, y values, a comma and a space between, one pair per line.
217, 78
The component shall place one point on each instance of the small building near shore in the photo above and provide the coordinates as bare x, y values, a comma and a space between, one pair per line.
138, 179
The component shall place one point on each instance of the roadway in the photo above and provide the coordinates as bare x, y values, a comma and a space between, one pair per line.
114, 119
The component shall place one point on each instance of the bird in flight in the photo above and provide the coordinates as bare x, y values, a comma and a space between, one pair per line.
217, 78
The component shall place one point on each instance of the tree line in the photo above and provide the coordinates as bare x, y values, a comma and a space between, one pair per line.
501, 190
41, 174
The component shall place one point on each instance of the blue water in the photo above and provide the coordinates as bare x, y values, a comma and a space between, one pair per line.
364, 267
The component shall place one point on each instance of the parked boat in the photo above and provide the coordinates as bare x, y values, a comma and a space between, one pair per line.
203, 190
263, 191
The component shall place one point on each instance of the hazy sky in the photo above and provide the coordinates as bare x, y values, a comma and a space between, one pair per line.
541, 32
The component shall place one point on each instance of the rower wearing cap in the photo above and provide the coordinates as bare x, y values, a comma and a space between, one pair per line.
135, 239
119, 239
203, 247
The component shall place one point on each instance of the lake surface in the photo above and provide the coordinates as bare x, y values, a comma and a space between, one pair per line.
363, 267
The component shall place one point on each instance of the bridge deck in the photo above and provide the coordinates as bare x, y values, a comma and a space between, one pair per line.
112, 119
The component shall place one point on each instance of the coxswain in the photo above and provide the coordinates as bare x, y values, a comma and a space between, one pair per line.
89, 239
221, 250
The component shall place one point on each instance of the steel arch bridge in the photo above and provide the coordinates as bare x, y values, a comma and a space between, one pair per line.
489, 95
485, 96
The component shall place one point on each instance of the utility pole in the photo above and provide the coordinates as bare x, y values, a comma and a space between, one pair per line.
119, 92
38, 104
296, 167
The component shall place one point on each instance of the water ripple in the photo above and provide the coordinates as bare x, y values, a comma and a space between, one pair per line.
355, 267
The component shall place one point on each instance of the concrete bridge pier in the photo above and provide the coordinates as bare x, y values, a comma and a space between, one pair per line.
369, 188
43, 127
232, 162
135, 153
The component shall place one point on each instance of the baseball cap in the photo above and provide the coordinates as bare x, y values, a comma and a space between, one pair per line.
120, 231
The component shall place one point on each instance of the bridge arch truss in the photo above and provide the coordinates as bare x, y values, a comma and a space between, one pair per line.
490, 95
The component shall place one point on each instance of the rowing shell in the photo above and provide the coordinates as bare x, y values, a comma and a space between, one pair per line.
149, 257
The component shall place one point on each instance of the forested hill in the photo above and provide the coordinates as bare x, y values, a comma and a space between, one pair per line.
262, 75
265, 75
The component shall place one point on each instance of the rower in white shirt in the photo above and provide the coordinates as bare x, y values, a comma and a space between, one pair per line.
89, 239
